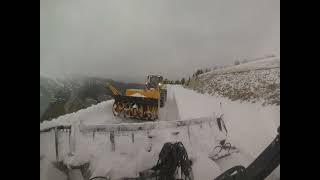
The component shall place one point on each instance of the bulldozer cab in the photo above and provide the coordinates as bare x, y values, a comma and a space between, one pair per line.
153, 81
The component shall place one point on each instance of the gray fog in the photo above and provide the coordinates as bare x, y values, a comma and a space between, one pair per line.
127, 39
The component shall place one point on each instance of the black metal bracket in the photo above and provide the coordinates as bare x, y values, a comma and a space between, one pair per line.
260, 168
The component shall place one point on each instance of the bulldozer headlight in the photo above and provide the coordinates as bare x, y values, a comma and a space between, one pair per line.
160, 84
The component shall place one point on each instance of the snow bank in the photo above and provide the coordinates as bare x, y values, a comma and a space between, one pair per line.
143, 126
130, 158
134, 150
99, 113
251, 126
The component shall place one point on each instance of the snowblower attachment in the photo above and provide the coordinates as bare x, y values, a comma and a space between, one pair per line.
140, 104
135, 107
224, 148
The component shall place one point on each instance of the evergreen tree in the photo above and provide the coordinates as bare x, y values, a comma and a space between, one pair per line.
198, 72
182, 81
188, 82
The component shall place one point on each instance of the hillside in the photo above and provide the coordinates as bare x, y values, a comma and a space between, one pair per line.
256, 81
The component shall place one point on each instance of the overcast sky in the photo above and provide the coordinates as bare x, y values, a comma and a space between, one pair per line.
127, 39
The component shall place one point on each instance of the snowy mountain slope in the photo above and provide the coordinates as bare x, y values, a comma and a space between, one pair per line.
257, 81
261, 64
251, 128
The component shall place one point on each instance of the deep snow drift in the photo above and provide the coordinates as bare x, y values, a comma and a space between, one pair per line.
251, 128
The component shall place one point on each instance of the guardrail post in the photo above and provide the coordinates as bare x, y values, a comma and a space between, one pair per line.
189, 131
132, 137
113, 146
56, 142
73, 134
69, 136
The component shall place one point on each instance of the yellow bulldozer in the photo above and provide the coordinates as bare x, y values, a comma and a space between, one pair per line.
140, 104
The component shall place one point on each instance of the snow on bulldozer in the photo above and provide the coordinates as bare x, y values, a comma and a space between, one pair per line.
142, 104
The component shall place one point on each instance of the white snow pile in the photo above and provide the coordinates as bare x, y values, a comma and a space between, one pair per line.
99, 113
137, 95
129, 157
257, 81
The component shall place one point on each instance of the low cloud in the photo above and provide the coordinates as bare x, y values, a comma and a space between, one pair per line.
126, 40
